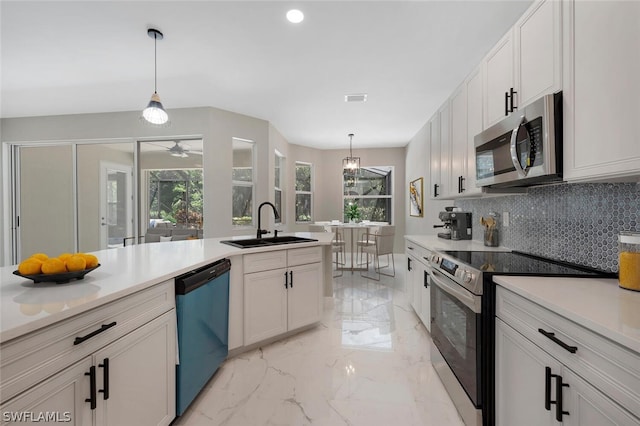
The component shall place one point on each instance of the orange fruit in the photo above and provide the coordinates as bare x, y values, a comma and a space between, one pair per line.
65, 256
40, 256
31, 266
53, 266
92, 261
76, 262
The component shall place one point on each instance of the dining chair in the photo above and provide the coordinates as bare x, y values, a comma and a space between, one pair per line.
383, 245
337, 246
367, 239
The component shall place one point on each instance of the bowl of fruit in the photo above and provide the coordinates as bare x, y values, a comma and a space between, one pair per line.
62, 269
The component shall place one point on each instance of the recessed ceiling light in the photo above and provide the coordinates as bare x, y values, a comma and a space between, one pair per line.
295, 16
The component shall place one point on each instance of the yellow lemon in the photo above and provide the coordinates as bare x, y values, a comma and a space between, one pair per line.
40, 256
31, 266
76, 262
53, 266
65, 256
92, 261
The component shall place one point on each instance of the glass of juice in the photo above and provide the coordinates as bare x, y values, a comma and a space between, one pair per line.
629, 260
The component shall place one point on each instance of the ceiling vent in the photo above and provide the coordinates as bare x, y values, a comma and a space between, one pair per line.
356, 97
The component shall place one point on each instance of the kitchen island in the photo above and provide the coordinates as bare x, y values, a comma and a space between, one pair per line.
65, 346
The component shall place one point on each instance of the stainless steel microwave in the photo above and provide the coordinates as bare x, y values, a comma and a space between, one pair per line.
524, 148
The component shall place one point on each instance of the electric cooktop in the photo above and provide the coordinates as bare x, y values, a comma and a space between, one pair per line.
518, 263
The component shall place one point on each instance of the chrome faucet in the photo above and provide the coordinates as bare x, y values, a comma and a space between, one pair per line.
275, 213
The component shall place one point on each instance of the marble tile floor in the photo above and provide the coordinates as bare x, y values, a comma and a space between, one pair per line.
366, 363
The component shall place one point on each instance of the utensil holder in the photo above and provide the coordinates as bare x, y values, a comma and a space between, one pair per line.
491, 237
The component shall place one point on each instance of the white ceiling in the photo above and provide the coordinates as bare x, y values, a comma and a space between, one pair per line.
95, 56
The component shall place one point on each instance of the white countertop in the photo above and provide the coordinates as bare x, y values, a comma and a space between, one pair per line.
436, 243
26, 307
598, 304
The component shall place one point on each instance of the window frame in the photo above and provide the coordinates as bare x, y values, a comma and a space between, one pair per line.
279, 175
310, 193
390, 196
246, 184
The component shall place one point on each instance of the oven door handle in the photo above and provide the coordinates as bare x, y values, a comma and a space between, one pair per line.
522, 171
467, 298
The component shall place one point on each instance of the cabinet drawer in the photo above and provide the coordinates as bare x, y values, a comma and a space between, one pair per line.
265, 261
609, 367
304, 256
29, 359
416, 251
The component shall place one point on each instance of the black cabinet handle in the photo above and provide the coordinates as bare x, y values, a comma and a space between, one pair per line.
506, 103
435, 190
92, 385
291, 278
286, 280
425, 282
105, 379
104, 327
461, 179
559, 410
552, 336
547, 388
408, 263
512, 107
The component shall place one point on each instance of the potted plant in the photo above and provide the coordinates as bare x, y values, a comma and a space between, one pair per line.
353, 212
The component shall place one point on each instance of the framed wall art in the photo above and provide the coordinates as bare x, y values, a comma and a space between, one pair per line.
415, 198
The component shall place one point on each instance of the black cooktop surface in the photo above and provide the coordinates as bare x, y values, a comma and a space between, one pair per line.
517, 263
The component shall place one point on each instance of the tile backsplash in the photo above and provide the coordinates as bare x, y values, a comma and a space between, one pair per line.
577, 223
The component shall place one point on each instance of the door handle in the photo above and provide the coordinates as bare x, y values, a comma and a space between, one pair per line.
291, 278
92, 386
506, 103
435, 190
522, 171
547, 388
105, 379
512, 107
559, 409
286, 280
408, 264
425, 282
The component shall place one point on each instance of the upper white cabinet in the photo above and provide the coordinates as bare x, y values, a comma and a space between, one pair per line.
474, 126
458, 158
441, 152
601, 90
498, 80
435, 189
526, 63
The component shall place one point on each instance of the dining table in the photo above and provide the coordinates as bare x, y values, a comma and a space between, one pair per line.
352, 227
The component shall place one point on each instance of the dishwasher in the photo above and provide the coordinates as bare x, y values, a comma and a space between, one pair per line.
202, 309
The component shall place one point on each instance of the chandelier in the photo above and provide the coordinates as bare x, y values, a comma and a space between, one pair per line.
351, 164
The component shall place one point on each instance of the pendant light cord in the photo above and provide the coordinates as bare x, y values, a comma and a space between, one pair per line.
155, 63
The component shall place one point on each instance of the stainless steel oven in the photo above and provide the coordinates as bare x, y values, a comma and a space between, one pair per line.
456, 331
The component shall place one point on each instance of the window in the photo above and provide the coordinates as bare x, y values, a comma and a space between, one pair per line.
304, 196
277, 184
371, 190
243, 182
175, 196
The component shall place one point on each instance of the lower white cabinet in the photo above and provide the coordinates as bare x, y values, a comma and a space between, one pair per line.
418, 284
284, 295
113, 365
537, 381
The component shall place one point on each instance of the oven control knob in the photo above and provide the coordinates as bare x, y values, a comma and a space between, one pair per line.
468, 276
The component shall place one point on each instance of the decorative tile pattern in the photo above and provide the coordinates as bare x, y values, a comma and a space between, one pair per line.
577, 223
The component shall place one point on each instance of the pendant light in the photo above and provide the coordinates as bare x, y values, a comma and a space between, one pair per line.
154, 113
351, 163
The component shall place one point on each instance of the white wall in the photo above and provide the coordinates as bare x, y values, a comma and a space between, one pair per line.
417, 154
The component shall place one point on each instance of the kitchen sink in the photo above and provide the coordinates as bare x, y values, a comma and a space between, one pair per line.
264, 242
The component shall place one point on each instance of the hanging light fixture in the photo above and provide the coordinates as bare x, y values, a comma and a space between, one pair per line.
351, 163
154, 113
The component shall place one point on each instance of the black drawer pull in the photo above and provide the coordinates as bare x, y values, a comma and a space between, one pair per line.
286, 280
92, 385
105, 379
559, 410
104, 327
408, 263
552, 336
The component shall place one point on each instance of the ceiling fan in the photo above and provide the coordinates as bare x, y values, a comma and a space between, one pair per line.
182, 150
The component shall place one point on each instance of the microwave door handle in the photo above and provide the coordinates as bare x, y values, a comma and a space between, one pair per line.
514, 152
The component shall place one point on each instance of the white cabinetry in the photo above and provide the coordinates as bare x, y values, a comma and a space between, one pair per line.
441, 152
111, 365
282, 292
526, 63
458, 157
474, 126
601, 86
417, 283
435, 189
550, 370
